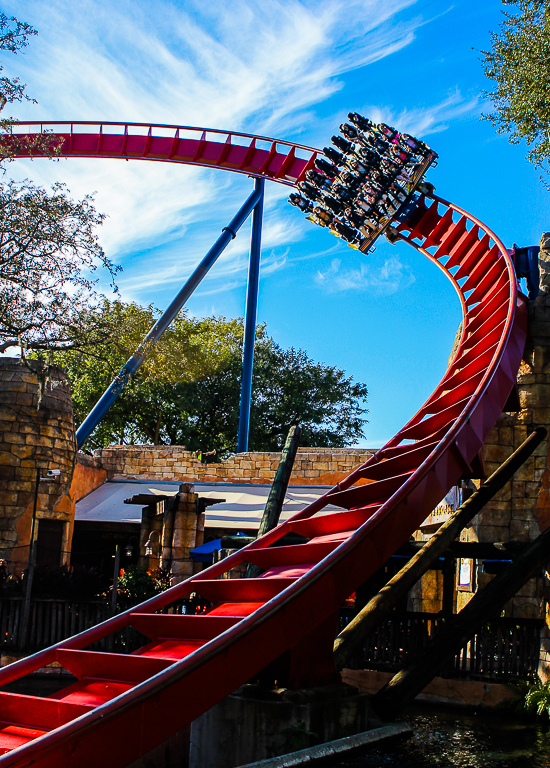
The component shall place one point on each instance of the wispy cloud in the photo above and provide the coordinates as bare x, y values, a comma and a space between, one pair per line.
422, 121
391, 277
261, 67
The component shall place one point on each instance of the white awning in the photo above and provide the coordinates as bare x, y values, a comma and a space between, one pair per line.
243, 506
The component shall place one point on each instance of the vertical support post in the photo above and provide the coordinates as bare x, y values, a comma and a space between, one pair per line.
114, 593
250, 318
24, 631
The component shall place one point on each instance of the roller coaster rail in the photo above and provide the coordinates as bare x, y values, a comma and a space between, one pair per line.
123, 706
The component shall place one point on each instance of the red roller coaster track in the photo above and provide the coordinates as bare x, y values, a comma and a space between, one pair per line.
122, 706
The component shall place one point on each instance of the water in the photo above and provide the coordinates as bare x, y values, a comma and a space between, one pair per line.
451, 738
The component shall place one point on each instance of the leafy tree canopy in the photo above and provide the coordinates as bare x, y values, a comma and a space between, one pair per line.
48, 242
518, 63
187, 391
48, 250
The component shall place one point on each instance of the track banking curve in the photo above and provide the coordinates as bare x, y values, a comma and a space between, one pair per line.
123, 706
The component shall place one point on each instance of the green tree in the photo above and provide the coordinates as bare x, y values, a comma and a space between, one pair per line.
14, 36
187, 392
518, 63
49, 248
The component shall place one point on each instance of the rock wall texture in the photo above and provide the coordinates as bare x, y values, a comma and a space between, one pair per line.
36, 434
313, 466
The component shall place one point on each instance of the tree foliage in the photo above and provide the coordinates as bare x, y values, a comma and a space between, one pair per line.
48, 244
14, 35
187, 392
48, 248
518, 63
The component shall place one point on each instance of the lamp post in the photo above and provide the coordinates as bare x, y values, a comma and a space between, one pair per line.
114, 593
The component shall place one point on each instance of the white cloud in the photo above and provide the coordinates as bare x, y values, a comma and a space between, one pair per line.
422, 121
258, 66
391, 277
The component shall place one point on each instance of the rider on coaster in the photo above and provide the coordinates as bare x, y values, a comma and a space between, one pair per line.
300, 202
368, 156
343, 145
332, 203
351, 133
350, 180
388, 132
318, 179
324, 217
363, 123
330, 170
334, 156
309, 190
416, 145
341, 192
354, 217
345, 231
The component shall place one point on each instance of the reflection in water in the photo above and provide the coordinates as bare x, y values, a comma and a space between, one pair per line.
449, 739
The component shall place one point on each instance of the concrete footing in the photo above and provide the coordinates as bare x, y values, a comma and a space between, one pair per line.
341, 747
254, 724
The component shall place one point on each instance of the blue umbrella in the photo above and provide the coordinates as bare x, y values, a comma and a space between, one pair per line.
204, 553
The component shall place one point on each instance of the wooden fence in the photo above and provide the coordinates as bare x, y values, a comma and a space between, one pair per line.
51, 621
502, 649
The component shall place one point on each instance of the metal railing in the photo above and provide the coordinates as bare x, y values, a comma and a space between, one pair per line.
504, 648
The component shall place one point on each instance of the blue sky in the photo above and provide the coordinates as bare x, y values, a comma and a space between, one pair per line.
290, 70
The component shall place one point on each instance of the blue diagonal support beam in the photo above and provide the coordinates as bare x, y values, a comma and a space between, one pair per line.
131, 366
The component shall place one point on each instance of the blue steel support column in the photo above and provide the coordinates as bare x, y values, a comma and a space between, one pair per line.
131, 366
250, 318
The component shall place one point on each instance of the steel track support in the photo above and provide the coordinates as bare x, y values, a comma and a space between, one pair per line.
250, 318
131, 366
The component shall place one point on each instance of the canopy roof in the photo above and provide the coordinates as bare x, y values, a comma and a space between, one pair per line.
243, 506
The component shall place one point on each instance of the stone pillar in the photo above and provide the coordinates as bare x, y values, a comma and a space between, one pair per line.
32, 438
518, 512
185, 531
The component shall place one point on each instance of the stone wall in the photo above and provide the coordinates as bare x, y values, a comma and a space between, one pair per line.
313, 466
36, 434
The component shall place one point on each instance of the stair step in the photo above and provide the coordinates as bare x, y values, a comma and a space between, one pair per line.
171, 649
459, 252
289, 571
240, 590
431, 424
497, 307
446, 399
39, 713
366, 494
161, 625
92, 692
238, 610
483, 267
493, 281
119, 667
473, 256
469, 364
13, 736
397, 465
293, 555
333, 523
338, 538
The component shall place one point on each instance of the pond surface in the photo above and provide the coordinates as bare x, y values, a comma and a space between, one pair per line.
452, 738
